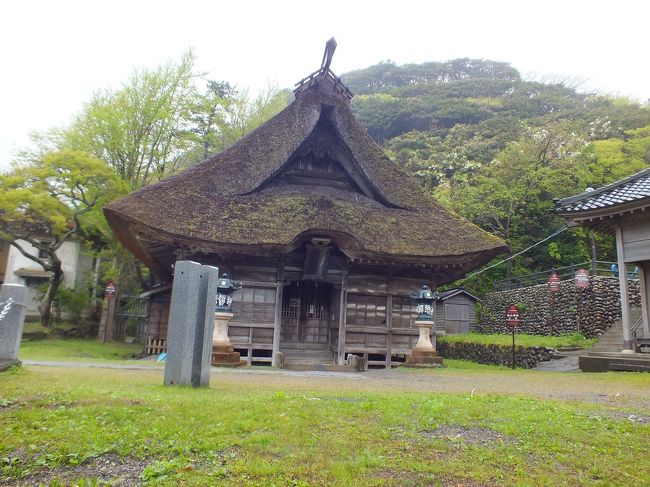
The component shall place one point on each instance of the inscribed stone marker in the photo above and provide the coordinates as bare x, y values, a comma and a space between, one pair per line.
12, 314
182, 323
204, 326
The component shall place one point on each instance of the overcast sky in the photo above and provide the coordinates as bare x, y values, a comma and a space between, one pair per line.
55, 53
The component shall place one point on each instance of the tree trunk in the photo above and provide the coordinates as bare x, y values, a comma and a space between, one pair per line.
52, 288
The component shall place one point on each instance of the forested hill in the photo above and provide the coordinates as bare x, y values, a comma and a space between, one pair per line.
497, 148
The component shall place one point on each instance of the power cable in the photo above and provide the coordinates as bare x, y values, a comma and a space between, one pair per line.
557, 232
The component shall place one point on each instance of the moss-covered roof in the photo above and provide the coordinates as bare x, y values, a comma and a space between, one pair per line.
224, 199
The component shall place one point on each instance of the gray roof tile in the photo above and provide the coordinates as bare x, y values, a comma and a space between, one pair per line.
635, 187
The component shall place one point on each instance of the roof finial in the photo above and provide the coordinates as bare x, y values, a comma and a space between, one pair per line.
330, 47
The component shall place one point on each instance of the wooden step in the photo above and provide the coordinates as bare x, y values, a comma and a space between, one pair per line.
320, 354
602, 362
320, 367
285, 346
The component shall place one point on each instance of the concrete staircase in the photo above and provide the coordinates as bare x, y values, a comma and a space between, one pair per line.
612, 340
313, 359
606, 353
308, 356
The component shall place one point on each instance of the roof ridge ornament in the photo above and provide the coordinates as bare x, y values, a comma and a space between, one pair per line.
330, 47
323, 73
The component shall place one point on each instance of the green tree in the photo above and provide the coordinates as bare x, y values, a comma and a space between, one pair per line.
140, 130
616, 158
512, 196
51, 200
157, 124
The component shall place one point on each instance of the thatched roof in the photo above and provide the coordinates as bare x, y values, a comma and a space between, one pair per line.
229, 199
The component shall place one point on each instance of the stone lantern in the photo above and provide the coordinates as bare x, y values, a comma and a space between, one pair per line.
424, 353
225, 288
223, 353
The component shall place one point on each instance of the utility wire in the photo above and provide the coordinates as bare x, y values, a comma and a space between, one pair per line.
518, 253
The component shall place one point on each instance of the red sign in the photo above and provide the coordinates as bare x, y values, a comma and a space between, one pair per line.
513, 318
553, 283
109, 292
582, 279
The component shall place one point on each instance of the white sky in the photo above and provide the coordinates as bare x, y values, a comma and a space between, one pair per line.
55, 53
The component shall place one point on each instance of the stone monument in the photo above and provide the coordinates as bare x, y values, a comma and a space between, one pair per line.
189, 336
12, 318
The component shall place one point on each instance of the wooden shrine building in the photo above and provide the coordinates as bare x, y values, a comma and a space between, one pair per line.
327, 234
621, 208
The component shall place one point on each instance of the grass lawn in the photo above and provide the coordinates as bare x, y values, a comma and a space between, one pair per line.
273, 428
569, 340
77, 350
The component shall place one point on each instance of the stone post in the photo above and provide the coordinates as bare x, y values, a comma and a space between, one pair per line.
12, 318
223, 353
424, 353
189, 334
204, 326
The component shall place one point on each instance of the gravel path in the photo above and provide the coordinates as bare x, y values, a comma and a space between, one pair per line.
594, 388
566, 364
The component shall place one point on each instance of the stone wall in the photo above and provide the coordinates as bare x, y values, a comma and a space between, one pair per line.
526, 357
591, 311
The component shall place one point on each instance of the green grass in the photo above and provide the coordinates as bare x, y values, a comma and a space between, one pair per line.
77, 350
569, 340
456, 364
36, 327
245, 432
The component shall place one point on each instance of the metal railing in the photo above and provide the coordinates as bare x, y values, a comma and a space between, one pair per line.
597, 268
131, 318
633, 331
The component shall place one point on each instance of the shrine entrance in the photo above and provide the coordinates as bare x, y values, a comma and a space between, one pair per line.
306, 314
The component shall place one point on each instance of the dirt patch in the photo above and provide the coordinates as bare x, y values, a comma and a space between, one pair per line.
112, 469
405, 478
474, 435
633, 418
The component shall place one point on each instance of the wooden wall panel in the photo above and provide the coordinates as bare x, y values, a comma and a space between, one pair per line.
367, 284
404, 286
254, 273
636, 237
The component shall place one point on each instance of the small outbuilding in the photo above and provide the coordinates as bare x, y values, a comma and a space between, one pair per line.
456, 311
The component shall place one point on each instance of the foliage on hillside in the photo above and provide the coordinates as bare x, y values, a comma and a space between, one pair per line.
499, 149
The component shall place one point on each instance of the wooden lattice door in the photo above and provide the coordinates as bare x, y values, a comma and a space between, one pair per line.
305, 312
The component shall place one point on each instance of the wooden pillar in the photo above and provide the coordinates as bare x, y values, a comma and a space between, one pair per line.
389, 320
625, 302
644, 287
277, 325
342, 317
109, 324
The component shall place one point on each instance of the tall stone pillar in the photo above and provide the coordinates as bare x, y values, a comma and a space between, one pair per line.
189, 335
12, 318
204, 326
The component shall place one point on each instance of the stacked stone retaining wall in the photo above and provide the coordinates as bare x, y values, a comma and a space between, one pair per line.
525, 357
591, 311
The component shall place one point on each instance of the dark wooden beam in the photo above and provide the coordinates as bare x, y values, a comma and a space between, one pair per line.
342, 318
277, 324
